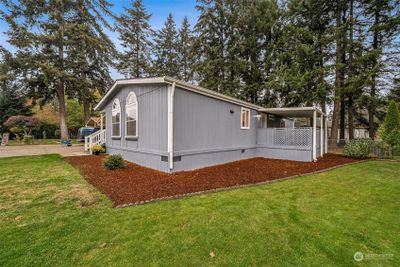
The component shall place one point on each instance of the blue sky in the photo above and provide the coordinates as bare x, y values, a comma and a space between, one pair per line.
158, 8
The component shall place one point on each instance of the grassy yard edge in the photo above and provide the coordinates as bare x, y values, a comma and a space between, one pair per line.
180, 196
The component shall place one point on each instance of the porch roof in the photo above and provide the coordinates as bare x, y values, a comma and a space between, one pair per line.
293, 111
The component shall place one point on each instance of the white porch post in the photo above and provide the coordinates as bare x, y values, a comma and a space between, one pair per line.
101, 120
321, 133
314, 135
326, 134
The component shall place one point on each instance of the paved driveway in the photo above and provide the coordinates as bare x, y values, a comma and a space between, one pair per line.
27, 150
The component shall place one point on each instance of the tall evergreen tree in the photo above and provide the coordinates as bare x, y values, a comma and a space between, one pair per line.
165, 50
301, 54
259, 28
383, 20
45, 35
340, 33
185, 53
90, 51
135, 33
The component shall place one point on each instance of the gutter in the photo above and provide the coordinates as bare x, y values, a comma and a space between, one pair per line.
171, 94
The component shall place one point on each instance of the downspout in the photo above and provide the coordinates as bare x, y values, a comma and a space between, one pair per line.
171, 93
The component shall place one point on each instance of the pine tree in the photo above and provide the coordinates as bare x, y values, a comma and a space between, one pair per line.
301, 53
165, 50
382, 22
135, 33
258, 29
391, 126
90, 51
185, 52
210, 43
45, 34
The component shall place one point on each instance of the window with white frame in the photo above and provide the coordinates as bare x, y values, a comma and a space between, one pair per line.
116, 119
131, 115
245, 118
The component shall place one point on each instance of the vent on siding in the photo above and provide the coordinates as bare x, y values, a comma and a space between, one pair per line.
176, 158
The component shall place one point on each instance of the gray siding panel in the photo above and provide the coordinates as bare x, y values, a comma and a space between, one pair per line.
145, 159
280, 153
191, 162
152, 125
204, 123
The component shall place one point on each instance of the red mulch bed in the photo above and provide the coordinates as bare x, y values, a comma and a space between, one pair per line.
137, 184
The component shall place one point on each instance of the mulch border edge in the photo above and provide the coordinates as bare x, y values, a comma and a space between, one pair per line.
216, 190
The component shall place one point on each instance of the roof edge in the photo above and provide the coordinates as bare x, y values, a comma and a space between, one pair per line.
182, 84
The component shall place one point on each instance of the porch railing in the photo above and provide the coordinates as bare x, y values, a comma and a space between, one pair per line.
285, 137
98, 137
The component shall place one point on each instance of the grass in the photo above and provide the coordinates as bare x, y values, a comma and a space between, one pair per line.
50, 216
40, 142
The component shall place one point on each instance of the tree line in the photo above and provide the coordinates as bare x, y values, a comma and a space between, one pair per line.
342, 53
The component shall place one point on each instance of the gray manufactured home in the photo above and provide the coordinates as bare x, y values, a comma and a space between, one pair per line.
170, 125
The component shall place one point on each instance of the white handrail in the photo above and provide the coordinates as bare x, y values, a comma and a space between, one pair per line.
98, 137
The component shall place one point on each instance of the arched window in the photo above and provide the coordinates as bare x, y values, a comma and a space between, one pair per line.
116, 119
131, 116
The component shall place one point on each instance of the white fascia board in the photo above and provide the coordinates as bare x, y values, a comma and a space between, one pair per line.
125, 82
292, 109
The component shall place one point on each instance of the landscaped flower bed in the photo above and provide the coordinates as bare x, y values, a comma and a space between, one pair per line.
136, 184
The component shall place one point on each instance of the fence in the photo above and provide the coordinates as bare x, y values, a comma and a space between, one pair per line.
285, 137
382, 151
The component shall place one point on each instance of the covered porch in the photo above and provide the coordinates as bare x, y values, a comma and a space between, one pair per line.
298, 133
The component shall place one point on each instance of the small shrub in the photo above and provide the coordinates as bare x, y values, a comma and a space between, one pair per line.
113, 162
97, 149
358, 149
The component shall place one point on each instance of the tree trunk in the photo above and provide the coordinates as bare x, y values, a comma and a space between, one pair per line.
350, 104
63, 115
338, 78
371, 107
86, 110
342, 94
61, 84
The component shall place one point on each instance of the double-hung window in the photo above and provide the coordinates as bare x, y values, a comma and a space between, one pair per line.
245, 118
116, 119
131, 116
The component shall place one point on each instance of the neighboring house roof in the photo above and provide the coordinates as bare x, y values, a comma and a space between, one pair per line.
93, 121
180, 84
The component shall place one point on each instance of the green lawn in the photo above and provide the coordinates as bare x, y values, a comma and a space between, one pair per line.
49, 216
40, 142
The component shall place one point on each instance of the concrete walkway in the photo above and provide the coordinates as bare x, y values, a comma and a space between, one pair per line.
28, 150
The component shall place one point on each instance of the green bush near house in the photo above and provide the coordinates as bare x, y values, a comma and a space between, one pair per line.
358, 149
113, 162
